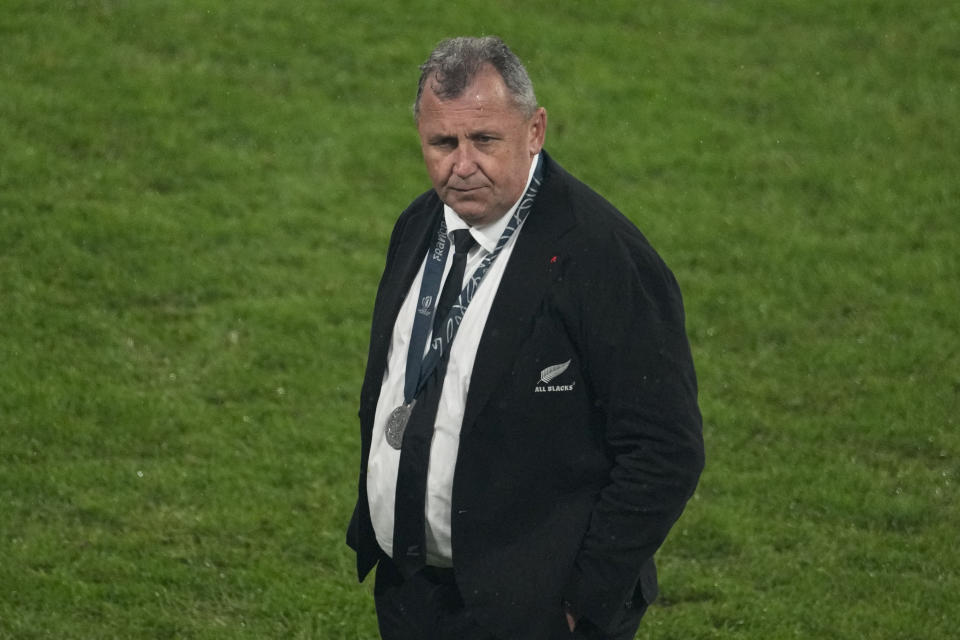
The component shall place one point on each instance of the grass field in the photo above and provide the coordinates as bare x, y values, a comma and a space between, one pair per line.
195, 200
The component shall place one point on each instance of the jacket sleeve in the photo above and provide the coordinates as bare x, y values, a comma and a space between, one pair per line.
639, 367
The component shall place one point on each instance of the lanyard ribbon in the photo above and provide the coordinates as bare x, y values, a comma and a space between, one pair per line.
419, 366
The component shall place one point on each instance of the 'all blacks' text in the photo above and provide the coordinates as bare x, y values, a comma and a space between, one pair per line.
553, 387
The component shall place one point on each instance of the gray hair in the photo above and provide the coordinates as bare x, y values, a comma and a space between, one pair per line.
454, 63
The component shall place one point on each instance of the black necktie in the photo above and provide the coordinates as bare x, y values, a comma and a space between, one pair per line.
409, 526
462, 242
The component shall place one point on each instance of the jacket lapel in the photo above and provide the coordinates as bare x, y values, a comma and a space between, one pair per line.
525, 281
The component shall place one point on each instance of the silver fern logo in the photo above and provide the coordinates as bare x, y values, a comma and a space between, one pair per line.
549, 374
552, 372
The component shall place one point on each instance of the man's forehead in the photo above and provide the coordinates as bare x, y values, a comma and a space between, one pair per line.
468, 106
477, 102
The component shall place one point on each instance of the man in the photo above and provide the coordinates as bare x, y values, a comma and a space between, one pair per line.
529, 433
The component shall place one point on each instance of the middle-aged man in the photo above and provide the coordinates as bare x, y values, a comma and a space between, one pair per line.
529, 420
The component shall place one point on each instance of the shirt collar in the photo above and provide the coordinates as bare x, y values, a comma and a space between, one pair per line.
488, 234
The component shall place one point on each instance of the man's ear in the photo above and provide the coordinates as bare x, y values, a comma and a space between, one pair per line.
538, 130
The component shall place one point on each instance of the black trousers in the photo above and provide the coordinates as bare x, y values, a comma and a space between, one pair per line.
428, 606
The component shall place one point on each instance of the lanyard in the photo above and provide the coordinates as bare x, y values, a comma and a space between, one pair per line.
419, 366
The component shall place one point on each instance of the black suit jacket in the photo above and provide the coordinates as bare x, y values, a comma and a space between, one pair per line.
564, 486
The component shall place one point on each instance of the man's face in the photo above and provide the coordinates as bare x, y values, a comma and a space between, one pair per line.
478, 147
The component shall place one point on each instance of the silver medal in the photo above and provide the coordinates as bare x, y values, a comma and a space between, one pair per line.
397, 424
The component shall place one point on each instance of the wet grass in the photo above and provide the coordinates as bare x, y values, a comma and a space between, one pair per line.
195, 199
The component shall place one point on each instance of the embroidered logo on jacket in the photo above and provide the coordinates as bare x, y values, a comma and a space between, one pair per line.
549, 374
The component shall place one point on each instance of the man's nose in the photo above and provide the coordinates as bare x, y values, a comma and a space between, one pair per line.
464, 161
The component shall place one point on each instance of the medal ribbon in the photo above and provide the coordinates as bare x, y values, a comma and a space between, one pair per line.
420, 367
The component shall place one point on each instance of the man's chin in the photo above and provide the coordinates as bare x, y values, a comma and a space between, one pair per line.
470, 210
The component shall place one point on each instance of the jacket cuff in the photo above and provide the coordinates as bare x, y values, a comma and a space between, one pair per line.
601, 606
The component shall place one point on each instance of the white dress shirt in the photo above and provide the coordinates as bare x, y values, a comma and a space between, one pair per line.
384, 460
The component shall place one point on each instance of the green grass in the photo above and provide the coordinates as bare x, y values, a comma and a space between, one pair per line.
195, 199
